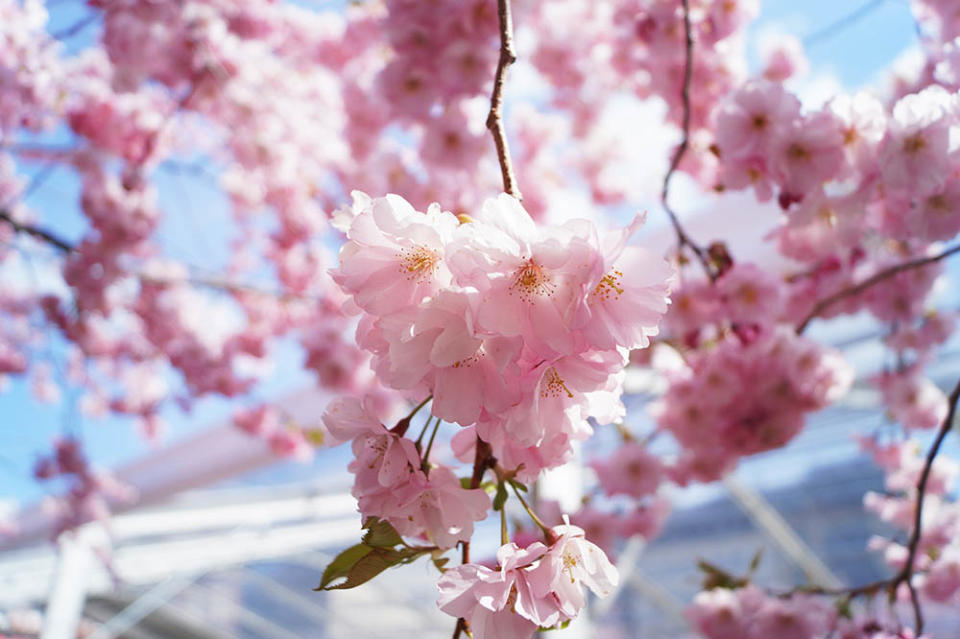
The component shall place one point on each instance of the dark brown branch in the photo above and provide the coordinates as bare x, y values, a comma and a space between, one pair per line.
482, 460
876, 278
905, 574
682, 238
37, 232
495, 117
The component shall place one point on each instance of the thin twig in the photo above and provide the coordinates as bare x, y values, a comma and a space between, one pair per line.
495, 117
37, 232
425, 462
842, 23
876, 278
682, 238
482, 460
545, 529
905, 574
76, 27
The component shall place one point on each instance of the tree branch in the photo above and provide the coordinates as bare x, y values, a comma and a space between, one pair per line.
495, 117
682, 238
905, 574
876, 278
482, 460
37, 232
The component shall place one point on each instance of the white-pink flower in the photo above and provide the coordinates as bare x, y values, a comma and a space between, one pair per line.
395, 255
571, 563
438, 507
532, 281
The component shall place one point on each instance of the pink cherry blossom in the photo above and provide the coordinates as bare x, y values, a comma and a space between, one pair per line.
395, 255
438, 507
631, 470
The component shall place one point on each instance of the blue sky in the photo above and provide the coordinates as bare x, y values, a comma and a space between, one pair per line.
854, 56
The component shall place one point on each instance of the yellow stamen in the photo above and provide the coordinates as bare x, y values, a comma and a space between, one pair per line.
531, 281
418, 262
554, 385
610, 286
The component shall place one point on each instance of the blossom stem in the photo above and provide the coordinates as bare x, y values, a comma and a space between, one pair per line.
37, 233
423, 432
425, 464
533, 516
404, 423
417, 408
504, 534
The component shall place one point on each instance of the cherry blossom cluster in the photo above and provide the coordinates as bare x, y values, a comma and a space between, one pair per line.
393, 483
426, 71
608, 516
896, 167
285, 437
746, 380
750, 613
535, 587
91, 492
518, 332
741, 397
29, 69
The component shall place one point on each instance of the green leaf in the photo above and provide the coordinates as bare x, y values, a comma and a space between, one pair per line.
487, 486
755, 561
519, 486
380, 534
716, 577
315, 436
843, 608
560, 626
371, 564
501, 497
366, 568
342, 564
440, 563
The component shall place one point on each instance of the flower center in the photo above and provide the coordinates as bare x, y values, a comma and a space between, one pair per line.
610, 286
531, 281
554, 385
797, 151
569, 563
418, 262
914, 143
938, 203
468, 362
